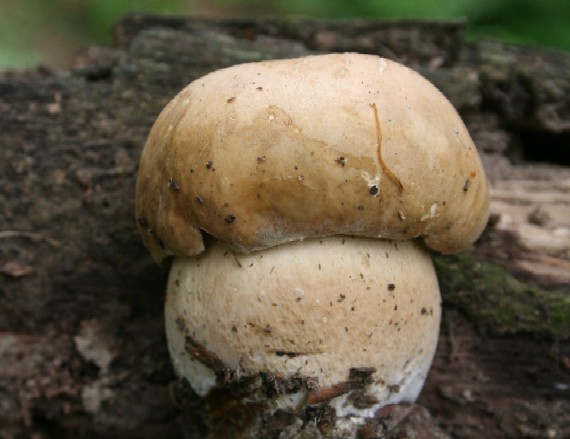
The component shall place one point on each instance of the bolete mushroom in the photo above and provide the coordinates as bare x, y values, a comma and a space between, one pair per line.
297, 198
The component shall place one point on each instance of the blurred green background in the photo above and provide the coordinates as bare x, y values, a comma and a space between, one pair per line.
52, 32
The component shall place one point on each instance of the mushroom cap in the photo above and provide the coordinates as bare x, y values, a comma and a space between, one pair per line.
316, 309
264, 153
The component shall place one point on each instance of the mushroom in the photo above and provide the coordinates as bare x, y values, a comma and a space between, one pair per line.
298, 199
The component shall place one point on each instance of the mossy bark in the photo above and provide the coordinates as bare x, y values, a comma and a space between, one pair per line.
498, 303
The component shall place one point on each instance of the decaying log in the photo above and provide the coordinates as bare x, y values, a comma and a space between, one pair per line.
82, 348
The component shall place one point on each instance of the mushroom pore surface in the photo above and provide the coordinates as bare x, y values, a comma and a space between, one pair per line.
265, 153
314, 310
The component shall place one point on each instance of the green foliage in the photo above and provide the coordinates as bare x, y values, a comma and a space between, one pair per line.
522, 21
100, 15
32, 30
33, 26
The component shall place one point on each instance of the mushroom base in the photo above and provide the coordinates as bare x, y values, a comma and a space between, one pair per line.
313, 335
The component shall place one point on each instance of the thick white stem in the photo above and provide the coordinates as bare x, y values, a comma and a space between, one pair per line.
354, 321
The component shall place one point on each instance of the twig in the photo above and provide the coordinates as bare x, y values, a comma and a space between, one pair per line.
383, 165
453, 343
6, 234
237, 260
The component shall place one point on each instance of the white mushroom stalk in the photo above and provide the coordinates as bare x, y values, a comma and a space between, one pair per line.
348, 322
320, 181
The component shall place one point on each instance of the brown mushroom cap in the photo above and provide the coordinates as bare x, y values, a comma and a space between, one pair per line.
264, 153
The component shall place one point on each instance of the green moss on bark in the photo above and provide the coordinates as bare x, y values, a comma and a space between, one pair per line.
497, 302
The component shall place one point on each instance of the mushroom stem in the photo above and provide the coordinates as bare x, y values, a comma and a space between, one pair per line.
318, 334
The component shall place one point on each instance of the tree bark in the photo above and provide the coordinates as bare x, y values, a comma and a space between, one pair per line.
82, 347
